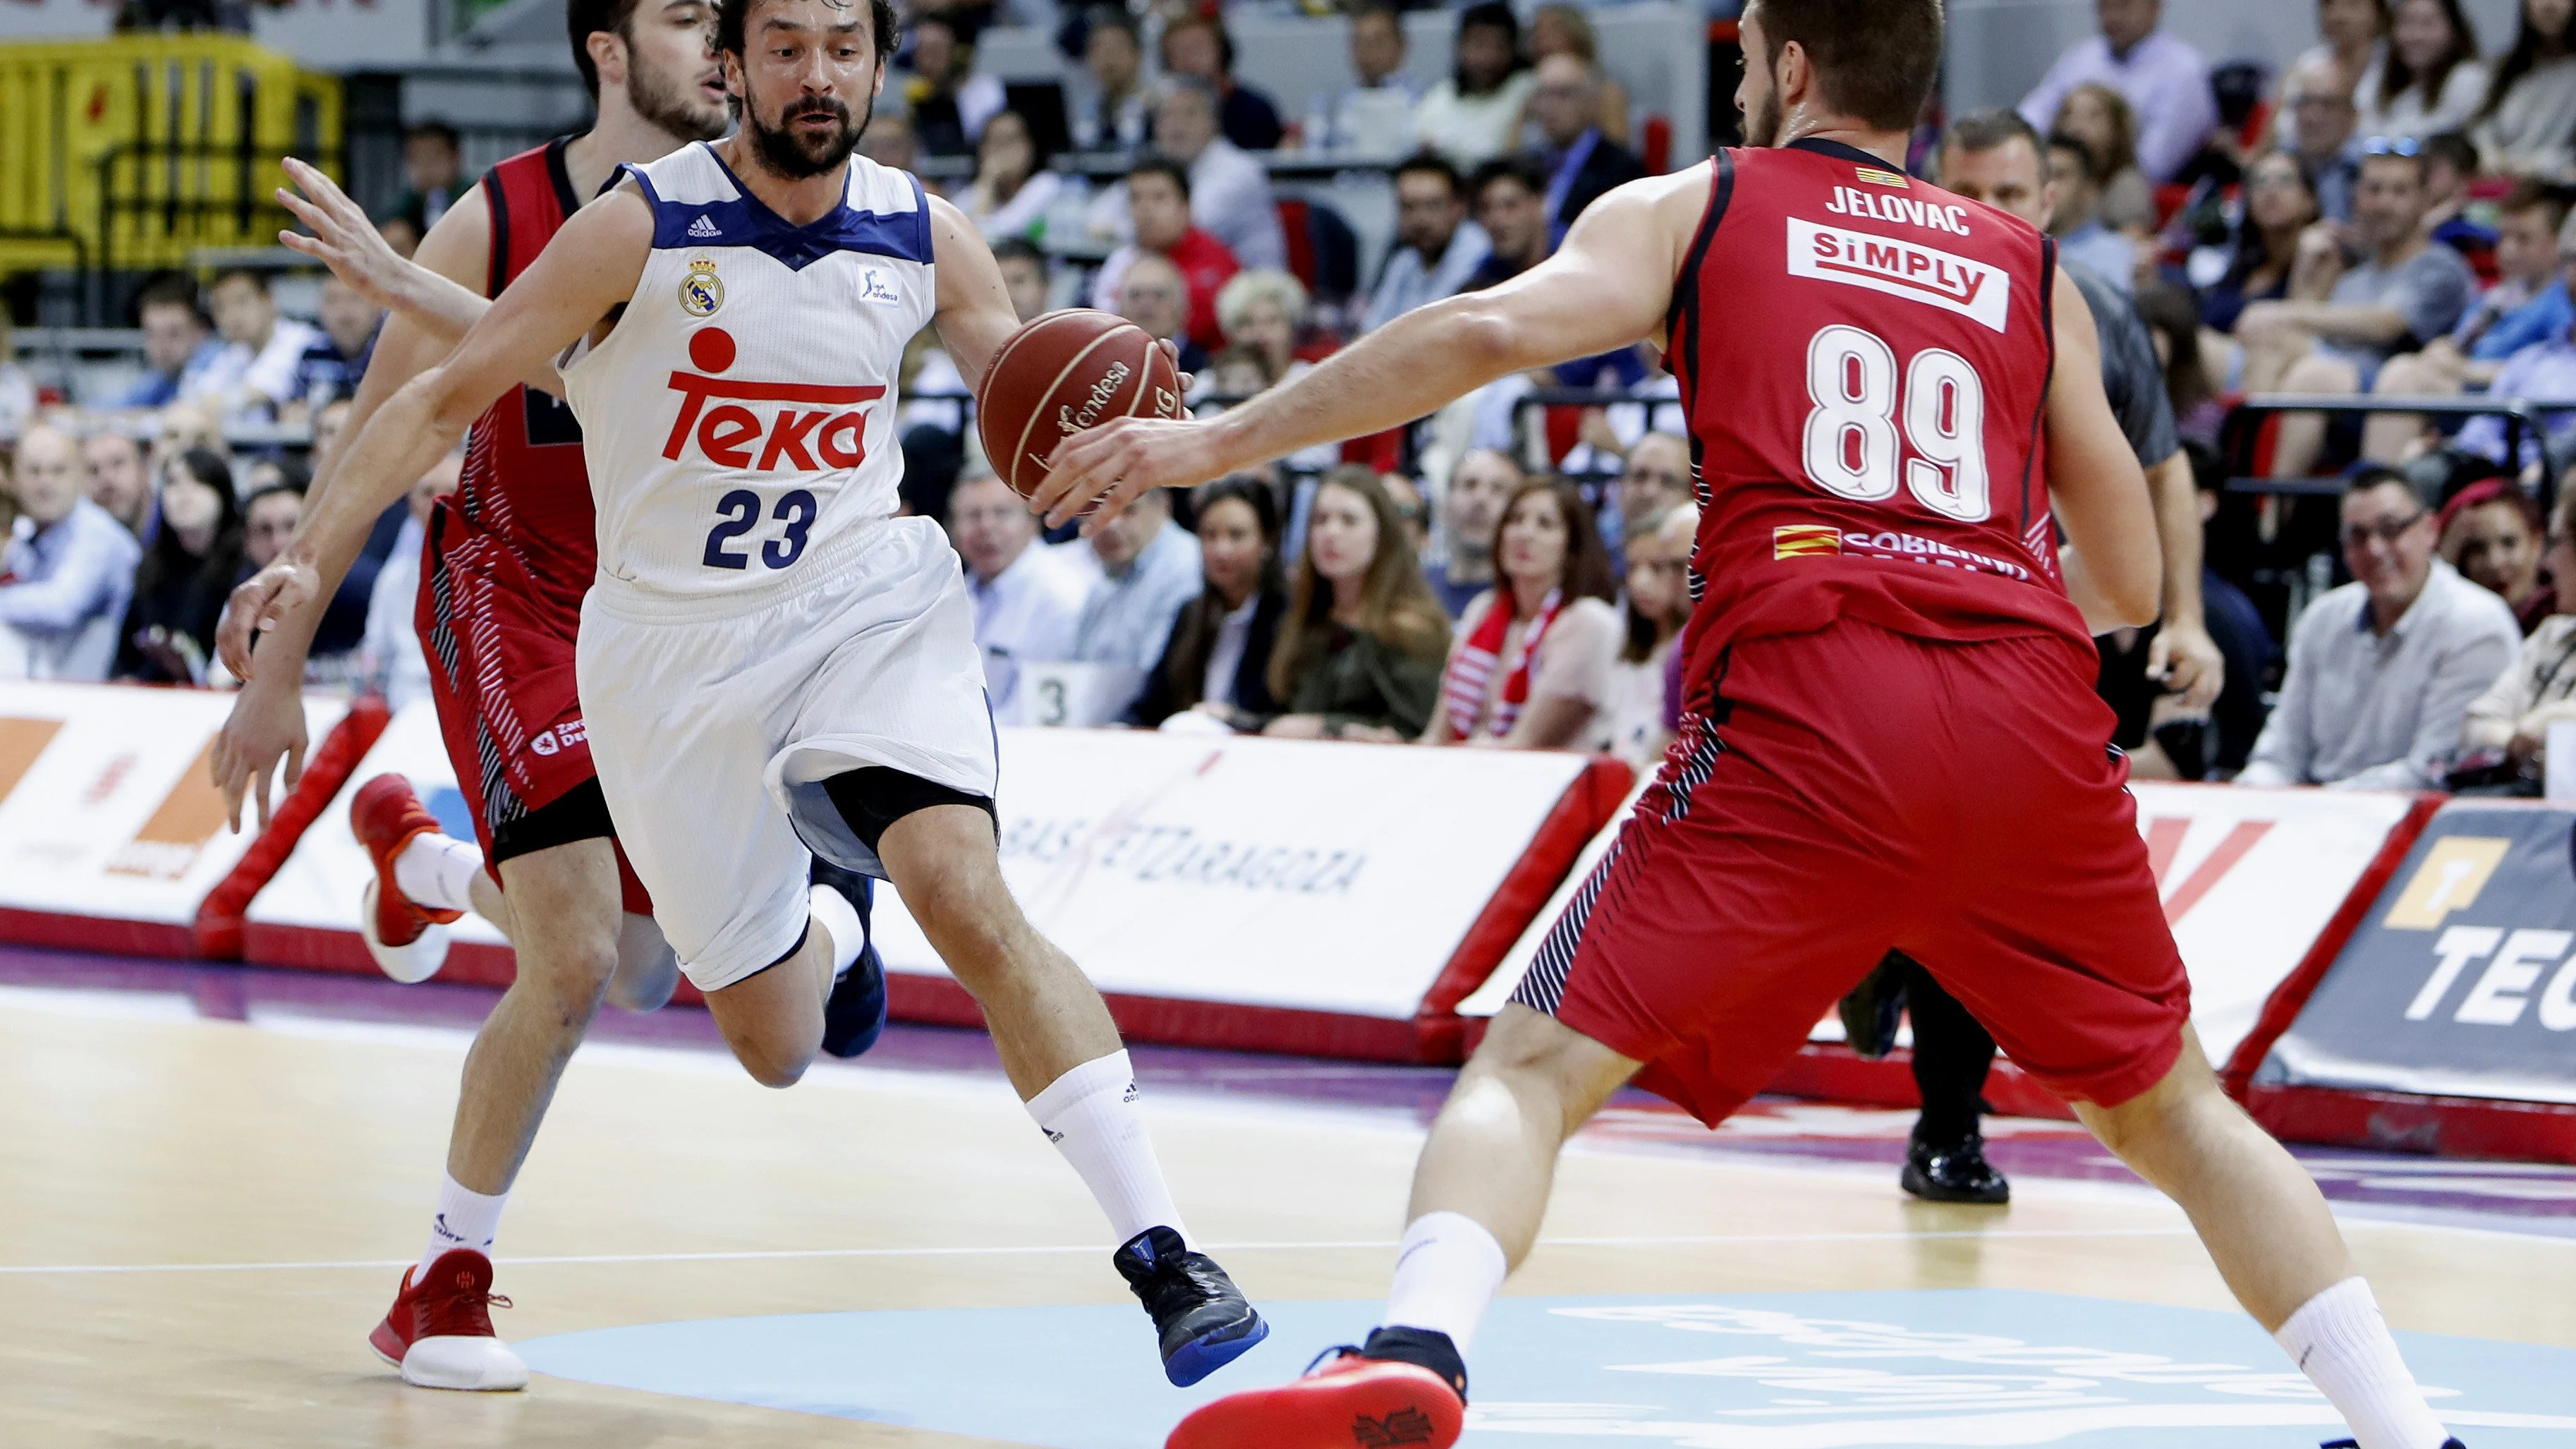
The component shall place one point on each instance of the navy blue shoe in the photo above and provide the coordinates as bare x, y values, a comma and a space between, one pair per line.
855, 1016
1203, 1319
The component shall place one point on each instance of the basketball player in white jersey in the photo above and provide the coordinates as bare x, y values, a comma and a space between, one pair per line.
769, 661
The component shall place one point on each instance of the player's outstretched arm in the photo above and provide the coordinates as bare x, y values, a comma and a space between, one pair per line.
590, 267
266, 724
1609, 285
2113, 566
974, 317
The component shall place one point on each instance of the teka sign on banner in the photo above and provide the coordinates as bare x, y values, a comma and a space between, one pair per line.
2461, 981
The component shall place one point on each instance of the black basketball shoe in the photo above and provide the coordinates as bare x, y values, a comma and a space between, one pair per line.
855, 1015
1955, 1172
1203, 1319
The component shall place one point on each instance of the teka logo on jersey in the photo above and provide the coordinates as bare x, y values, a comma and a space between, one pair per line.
1852, 201
1901, 268
801, 439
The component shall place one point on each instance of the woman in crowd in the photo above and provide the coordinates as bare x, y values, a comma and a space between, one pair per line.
1530, 669
2100, 117
1265, 310
1359, 652
2280, 203
2528, 125
1216, 664
190, 568
1566, 30
2490, 532
1010, 196
2352, 35
2173, 323
1659, 603
2430, 78
2540, 687
1475, 115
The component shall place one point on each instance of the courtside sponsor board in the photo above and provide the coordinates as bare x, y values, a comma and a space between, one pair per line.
108, 808
320, 884
2249, 879
2461, 981
1310, 876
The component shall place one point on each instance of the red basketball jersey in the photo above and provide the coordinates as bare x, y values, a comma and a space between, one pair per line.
524, 486
1864, 361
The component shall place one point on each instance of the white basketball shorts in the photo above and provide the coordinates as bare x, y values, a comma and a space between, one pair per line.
714, 721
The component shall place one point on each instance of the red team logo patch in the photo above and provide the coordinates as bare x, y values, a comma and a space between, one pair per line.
827, 433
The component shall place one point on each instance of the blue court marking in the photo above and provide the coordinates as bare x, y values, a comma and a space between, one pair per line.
455, 817
1981, 1367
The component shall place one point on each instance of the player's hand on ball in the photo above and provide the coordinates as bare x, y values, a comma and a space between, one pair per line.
342, 239
1108, 467
259, 603
2188, 662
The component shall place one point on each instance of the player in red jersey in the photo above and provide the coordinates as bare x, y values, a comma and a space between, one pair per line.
1891, 737
507, 562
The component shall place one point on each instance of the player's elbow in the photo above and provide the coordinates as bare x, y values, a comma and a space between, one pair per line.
2133, 603
1486, 338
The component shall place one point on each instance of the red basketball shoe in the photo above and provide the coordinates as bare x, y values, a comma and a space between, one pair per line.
408, 941
439, 1331
1348, 1402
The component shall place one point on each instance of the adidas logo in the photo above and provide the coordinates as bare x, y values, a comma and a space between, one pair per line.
703, 227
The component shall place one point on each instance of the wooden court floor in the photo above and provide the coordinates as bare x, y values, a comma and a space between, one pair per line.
199, 1221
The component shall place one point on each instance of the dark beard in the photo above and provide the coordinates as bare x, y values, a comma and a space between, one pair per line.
664, 103
785, 151
1762, 128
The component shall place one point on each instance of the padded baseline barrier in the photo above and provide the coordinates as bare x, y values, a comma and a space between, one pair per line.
112, 834
2447, 1023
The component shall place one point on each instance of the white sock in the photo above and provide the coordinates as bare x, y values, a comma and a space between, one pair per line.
2340, 1341
1447, 1271
1092, 1117
437, 871
466, 1219
840, 920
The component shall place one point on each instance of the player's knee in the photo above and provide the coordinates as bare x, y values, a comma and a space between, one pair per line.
573, 976
647, 971
2315, 373
774, 1064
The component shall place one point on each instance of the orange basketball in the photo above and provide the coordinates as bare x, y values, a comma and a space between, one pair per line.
1062, 373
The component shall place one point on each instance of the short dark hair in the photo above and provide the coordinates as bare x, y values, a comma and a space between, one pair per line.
2455, 148
1157, 164
1224, 40
1111, 17
1492, 15
288, 487
733, 18
582, 19
1432, 163
2533, 194
1516, 168
252, 275
1978, 132
2375, 475
1875, 60
2064, 141
170, 290
440, 130
2412, 156
1022, 248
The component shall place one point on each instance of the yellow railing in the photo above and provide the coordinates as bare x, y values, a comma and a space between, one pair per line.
148, 147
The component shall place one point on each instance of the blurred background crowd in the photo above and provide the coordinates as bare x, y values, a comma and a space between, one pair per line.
2346, 261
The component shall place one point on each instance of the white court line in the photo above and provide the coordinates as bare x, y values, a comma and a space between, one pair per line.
760, 1255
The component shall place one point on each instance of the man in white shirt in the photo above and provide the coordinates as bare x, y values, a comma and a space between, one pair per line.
1149, 569
263, 352
2383, 670
2166, 83
1376, 113
69, 567
1436, 247
1026, 600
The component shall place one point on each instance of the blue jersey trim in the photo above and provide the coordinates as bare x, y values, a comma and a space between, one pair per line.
746, 222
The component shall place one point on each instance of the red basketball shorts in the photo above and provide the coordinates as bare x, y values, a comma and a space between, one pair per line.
1853, 791
501, 675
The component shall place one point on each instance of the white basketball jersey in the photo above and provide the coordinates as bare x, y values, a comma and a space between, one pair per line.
739, 418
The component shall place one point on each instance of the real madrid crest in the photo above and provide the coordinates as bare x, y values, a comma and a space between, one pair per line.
701, 291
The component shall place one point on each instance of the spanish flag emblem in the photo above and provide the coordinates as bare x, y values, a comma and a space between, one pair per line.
1876, 177
1805, 540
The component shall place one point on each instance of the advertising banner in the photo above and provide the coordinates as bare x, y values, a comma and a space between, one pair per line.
1296, 895
2250, 879
111, 830
307, 914
2461, 981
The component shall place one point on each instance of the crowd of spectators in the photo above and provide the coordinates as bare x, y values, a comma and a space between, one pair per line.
2388, 218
